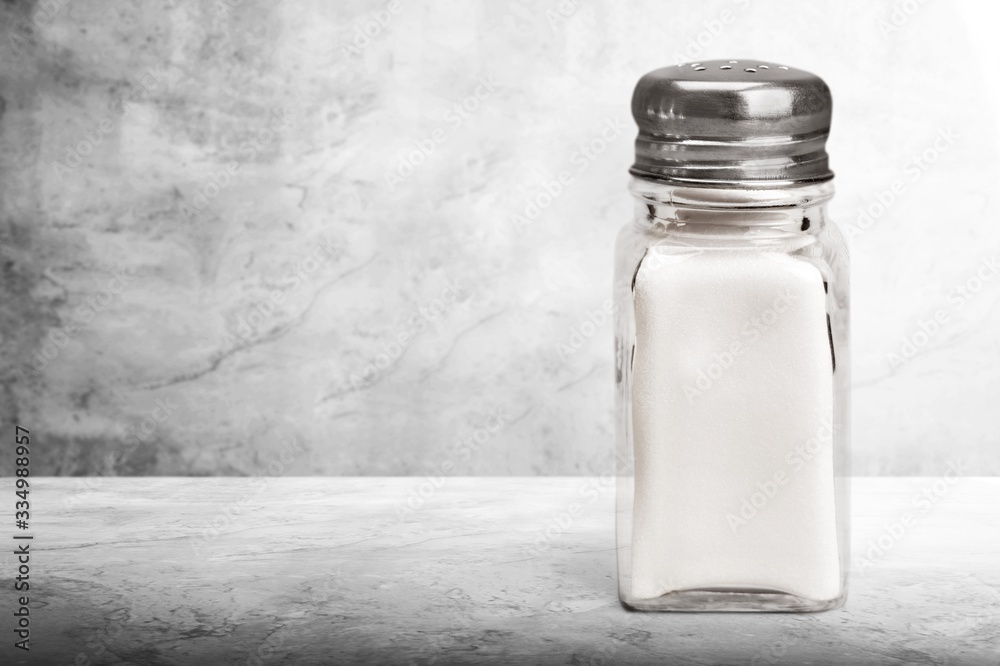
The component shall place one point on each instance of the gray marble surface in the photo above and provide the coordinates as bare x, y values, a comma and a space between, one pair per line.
203, 244
465, 570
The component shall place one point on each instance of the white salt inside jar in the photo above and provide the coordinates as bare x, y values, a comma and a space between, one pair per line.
732, 404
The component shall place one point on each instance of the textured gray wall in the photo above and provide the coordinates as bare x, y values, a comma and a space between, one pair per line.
225, 253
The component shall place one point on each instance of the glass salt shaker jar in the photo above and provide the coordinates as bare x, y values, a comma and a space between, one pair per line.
732, 345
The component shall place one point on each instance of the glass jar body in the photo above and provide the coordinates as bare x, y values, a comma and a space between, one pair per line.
732, 338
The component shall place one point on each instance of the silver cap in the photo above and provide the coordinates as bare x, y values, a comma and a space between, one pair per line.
726, 122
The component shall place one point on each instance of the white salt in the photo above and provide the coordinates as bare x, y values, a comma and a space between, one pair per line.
732, 403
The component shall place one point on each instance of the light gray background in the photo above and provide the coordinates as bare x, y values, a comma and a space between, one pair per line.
168, 370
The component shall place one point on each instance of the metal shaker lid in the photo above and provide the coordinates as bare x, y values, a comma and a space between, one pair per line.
727, 122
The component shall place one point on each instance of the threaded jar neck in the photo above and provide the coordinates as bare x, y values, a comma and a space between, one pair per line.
792, 208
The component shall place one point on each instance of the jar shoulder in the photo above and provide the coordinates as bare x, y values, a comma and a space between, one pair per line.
824, 248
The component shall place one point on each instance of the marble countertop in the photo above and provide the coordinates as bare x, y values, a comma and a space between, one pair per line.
457, 570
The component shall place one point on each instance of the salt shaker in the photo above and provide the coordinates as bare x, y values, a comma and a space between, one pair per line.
732, 345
